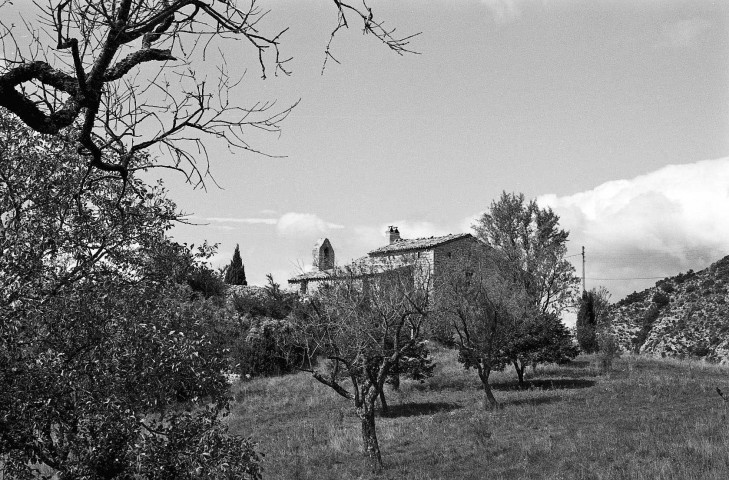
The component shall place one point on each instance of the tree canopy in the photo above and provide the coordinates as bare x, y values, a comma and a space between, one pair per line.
102, 340
530, 248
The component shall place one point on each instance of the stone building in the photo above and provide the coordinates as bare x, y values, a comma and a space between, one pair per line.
428, 257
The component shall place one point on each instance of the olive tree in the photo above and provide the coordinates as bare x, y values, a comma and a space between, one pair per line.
484, 306
361, 325
107, 365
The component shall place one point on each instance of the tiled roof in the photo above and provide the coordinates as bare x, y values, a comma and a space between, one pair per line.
417, 244
361, 267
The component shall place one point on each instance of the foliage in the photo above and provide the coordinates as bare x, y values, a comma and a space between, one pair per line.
660, 299
533, 246
235, 273
258, 340
544, 340
483, 305
101, 347
363, 325
185, 266
271, 301
592, 318
586, 326
609, 349
635, 297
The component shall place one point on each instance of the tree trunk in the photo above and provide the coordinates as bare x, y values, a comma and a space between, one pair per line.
491, 402
396, 376
519, 372
366, 414
383, 402
484, 373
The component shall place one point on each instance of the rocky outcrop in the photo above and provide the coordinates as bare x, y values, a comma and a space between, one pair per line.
685, 315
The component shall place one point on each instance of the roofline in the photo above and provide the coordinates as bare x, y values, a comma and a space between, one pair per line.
457, 236
343, 276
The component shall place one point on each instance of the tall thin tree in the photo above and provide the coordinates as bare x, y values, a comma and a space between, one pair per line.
235, 274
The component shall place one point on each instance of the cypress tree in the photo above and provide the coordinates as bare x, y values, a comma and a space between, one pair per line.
235, 274
587, 324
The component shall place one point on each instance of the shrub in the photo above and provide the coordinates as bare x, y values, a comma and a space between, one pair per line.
609, 349
634, 297
661, 299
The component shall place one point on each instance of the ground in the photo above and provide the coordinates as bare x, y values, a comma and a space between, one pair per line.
646, 419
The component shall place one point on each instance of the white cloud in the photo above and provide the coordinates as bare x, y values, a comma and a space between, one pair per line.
653, 225
294, 224
683, 33
289, 224
252, 221
503, 11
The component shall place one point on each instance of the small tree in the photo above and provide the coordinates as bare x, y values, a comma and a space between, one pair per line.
591, 318
235, 273
586, 326
363, 325
546, 340
485, 309
531, 248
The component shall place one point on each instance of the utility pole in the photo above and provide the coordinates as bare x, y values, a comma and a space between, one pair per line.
583, 269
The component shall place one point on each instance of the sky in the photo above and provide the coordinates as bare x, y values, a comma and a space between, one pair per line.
613, 113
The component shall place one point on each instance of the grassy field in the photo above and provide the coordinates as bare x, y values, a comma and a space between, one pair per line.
647, 419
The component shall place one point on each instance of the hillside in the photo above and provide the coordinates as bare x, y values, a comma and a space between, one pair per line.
685, 315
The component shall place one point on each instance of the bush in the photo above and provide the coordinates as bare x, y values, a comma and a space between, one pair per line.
259, 342
609, 349
264, 350
634, 297
661, 299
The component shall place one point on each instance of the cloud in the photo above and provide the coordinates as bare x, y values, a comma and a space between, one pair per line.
504, 11
288, 225
251, 221
653, 225
294, 224
683, 33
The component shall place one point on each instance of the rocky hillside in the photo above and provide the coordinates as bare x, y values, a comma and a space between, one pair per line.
685, 315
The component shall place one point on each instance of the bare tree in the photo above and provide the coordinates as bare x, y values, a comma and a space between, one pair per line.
363, 325
80, 64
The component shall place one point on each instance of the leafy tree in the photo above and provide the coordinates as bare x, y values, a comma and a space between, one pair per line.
101, 345
484, 305
258, 340
592, 318
586, 325
363, 325
531, 247
542, 340
235, 273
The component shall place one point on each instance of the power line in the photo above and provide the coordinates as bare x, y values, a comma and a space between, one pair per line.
631, 278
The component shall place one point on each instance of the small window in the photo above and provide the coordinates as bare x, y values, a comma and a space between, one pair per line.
450, 254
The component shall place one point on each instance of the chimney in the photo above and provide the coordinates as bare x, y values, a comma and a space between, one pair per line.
393, 234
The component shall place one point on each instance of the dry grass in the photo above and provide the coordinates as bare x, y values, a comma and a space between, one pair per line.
647, 419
